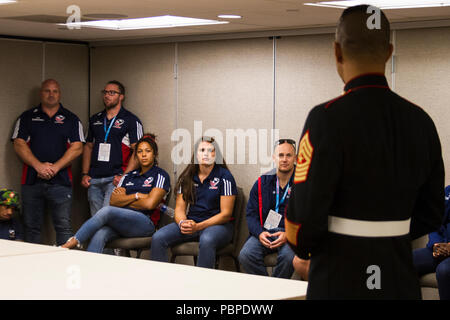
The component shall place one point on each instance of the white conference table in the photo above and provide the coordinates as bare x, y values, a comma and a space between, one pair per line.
29, 272
17, 248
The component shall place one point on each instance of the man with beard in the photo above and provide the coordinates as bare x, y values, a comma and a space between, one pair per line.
266, 210
47, 138
111, 138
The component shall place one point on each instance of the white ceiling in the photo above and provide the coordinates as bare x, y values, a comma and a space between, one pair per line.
258, 16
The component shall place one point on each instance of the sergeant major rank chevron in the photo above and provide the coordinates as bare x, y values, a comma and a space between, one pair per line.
304, 157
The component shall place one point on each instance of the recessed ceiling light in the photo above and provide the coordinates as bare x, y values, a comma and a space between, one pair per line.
384, 4
229, 16
7, 1
144, 23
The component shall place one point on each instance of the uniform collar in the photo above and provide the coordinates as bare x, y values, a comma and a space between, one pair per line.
212, 174
60, 109
121, 111
291, 179
146, 174
377, 80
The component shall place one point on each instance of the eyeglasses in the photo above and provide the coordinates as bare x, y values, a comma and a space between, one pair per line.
281, 141
110, 92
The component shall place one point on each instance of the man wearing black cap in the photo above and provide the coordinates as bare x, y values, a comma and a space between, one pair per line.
10, 226
369, 176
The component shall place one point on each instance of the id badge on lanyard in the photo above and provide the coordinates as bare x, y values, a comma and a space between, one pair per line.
104, 150
273, 219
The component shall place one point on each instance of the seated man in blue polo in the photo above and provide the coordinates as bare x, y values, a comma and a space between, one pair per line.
10, 226
266, 210
112, 136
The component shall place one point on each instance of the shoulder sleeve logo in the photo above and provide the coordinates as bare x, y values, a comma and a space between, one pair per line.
304, 157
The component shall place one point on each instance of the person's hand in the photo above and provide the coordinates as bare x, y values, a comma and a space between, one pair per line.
116, 180
86, 181
264, 238
119, 190
301, 267
45, 170
188, 227
441, 250
279, 241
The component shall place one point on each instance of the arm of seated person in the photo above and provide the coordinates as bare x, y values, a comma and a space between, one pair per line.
148, 201
119, 198
224, 216
180, 209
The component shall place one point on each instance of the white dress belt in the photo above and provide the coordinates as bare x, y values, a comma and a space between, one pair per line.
364, 228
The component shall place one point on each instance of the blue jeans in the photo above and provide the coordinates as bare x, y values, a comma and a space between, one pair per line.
99, 193
113, 222
210, 240
58, 199
425, 263
252, 258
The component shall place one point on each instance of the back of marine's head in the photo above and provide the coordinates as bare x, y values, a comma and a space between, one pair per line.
363, 32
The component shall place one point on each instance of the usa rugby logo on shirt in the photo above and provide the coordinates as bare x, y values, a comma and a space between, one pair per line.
59, 119
213, 184
118, 124
148, 182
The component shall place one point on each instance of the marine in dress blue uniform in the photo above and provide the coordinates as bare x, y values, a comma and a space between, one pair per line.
369, 178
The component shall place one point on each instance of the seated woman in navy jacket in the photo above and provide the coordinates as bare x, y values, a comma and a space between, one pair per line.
132, 211
207, 187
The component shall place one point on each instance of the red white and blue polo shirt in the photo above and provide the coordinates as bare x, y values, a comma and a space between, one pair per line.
220, 182
155, 177
48, 139
126, 130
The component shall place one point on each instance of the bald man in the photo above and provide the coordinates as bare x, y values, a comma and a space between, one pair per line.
369, 176
47, 138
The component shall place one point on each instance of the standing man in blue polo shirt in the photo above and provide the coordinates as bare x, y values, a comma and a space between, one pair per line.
112, 135
47, 138
266, 210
